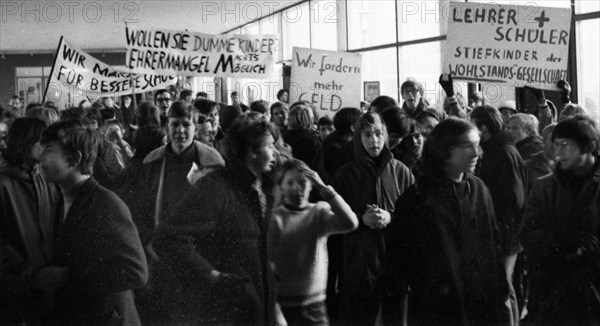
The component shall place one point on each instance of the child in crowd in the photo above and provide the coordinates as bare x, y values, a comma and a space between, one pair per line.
371, 184
122, 150
325, 127
298, 241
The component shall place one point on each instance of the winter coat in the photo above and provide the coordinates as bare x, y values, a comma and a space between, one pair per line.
332, 147
504, 174
307, 147
363, 182
140, 187
443, 245
219, 226
537, 166
157, 301
529, 146
421, 107
565, 269
100, 245
28, 207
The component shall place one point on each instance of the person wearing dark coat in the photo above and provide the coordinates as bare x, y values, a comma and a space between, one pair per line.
28, 206
442, 243
152, 188
343, 121
542, 162
216, 241
504, 173
305, 144
414, 102
562, 230
370, 184
523, 127
98, 258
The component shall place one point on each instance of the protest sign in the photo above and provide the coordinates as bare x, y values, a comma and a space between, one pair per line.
75, 72
515, 44
330, 80
185, 53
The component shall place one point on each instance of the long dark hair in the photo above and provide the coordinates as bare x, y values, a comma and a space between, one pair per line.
148, 114
148, 139
22, 136
440, 142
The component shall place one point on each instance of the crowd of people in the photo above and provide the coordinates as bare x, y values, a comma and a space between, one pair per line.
186, 211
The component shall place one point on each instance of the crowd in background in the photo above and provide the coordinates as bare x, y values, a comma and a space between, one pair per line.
186, 211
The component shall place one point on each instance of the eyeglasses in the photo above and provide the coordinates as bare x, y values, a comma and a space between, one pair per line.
563, 145
160, 100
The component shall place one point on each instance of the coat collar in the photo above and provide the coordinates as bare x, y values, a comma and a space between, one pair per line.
206, 156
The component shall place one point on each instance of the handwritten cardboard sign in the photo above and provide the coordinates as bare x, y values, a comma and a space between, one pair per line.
330, 80
183, 53
77, 72
515, 44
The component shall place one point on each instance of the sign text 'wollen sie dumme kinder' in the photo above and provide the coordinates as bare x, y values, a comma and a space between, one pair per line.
75, 71
184, 53
519, 45
329, 80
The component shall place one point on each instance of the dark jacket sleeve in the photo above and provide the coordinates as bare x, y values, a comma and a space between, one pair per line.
505, 179
537, 236
119, 263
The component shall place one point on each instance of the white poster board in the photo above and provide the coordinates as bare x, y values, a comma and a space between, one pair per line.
515, 44
183, 53
76, 74
328, 79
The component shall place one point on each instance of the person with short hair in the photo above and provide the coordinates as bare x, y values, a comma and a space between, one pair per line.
206, 133
210, 109
261, 107
370, 184
235, 100
523, 127
561, 233
412, 93
504, 173
405, 139
28, 223
571, 109
279, 115
381, 103
114, 133
15, 101
283, 96
130, 117
542, 162
427, 120
508, 109
343, 122
186, 95
442, 244
98, 256
305, 144
217, 237
298, 232
148, 115
162, 100
152, 193
325, 127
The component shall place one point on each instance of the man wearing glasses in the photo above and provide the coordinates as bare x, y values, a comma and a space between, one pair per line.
562, 230
162, 100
